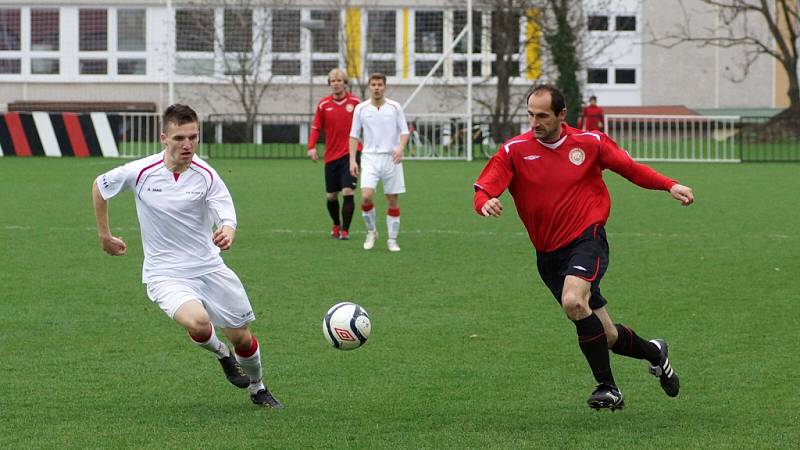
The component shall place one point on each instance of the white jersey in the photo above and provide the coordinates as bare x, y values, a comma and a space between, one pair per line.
382, 126
176, 213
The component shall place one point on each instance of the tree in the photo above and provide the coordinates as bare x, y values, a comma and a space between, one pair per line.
739, 27
556, 32
240, 46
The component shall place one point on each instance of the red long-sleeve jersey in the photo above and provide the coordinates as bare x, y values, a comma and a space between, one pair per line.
334, 117
558, 188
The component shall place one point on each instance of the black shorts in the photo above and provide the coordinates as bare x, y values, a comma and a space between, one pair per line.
337, 174
585, 257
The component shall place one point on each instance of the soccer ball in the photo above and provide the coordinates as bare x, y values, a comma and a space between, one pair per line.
346, 326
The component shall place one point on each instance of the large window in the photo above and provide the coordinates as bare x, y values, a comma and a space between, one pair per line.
597, 76
9, 29
459, 58
325, 40
44, 30
131, 28
625, 23
381, 42
625, 76
597, 23
194, 30
286, 43
505, 43
93, 30
238, 30
428, 44
131, 42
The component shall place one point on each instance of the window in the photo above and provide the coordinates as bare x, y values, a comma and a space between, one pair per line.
460, 68
597, 23
285, 67
131, 67
625, 23
505, 43
387, 68
381, 31
325, 39
381, 42
93, 30
459, 22
421, 68
597, 76
194, 30
428, 31
45, 66
10, 66
9, 32
277, 133
93, 67
131, 28
194, 66
286, 31
238, 30
44, 30
625, 76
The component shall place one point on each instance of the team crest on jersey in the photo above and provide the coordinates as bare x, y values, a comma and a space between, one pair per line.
576, 156
349, 107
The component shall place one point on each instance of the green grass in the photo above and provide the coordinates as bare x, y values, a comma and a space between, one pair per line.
468, 348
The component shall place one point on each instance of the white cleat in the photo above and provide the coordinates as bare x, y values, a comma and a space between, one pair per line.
369, 242
392, 244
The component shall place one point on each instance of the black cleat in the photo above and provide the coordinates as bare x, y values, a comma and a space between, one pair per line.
265, 398
234, 372
664, 372
606, 396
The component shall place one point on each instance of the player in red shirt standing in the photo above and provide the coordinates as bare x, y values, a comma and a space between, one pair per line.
592, 117
334, 116
554, 174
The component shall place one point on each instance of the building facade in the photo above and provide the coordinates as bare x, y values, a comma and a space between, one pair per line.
163, 51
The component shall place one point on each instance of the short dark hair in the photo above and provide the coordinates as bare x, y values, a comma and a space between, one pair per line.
594, 97
377, 76
179, 115
557, 101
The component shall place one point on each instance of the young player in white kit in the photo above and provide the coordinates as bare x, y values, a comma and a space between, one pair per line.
385, 136
179, 199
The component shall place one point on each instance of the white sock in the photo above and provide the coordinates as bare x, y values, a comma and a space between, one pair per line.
369, 218
214, 345
252, 366
393, 225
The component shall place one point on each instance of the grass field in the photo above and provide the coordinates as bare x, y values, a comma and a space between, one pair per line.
468, 349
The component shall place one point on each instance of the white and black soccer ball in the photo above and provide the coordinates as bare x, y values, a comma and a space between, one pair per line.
346, 326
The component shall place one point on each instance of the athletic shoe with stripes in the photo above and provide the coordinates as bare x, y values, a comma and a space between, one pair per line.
335, 232
265, 398
234, 372
664, 372
606, 396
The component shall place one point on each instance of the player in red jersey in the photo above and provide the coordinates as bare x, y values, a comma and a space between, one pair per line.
554, 174
334, 116
592, 117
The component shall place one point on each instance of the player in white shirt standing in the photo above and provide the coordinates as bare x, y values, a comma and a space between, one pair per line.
385, 136
179, 199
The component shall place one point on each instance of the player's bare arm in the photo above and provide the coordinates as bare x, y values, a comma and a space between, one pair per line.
493, 207
682, 193
112, 245
224, 237
353, 148
397, 153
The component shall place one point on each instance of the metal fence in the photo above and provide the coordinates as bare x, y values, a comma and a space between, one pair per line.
443, 137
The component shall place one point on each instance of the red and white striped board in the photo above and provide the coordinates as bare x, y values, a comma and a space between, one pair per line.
56, 134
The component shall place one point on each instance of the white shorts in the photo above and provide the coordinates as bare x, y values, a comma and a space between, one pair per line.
380, 167
221, 293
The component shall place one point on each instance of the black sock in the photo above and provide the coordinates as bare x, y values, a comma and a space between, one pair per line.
333, 210
594, 345
348, 206
631, 345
